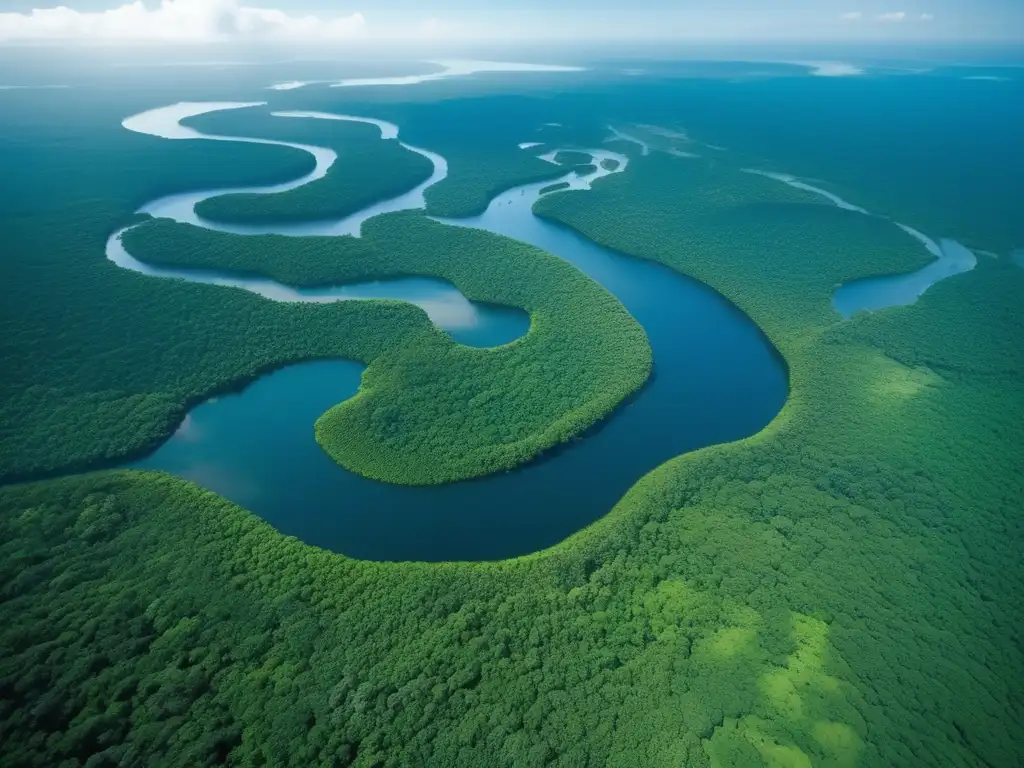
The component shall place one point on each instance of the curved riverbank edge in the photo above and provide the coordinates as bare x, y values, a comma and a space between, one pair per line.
500, 499
181, 209
444, 304
876, 292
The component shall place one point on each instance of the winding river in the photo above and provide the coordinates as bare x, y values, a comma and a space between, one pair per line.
471, 323
869, 294
716, 379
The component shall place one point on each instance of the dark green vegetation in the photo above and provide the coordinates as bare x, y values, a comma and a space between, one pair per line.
474, 179
478, 137
555, 187
571, 158
98, 362
367, 169
820, 128
894, 462
842, 589
609, 164
429, 410
131, 376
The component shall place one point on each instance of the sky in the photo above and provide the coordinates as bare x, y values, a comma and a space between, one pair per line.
183, 21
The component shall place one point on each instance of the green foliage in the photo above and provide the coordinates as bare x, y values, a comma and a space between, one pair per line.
473, 180
366, 171
101, 364
841, 589
429, 410
739, 224
555, 187
572, 158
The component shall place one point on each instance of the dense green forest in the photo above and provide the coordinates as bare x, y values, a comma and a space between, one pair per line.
832, 591
429, 410
366, 171
841, 589
133, 374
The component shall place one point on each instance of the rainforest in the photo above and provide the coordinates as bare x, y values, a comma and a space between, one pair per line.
605, 412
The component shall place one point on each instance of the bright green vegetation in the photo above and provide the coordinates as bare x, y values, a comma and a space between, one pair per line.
893, 462
367, 169
429, 410
555, 187
841, 589
793, 599
572, 158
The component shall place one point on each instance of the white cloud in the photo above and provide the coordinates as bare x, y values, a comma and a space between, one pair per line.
927, 17
175, 21
831, 68
852, 16
894, 16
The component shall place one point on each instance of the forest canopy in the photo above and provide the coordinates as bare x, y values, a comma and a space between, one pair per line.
840, 589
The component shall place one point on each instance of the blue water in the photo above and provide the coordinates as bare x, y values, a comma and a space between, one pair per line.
873, 293
716, 379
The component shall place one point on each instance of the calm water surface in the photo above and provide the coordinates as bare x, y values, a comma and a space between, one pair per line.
716, 379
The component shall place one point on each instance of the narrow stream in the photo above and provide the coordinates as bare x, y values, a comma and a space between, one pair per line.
471, 323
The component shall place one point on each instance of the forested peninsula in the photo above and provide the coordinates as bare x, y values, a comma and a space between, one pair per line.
430, 410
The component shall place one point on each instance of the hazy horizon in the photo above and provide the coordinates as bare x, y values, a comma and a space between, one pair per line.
462, 21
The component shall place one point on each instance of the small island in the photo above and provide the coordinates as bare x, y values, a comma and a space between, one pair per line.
554, 187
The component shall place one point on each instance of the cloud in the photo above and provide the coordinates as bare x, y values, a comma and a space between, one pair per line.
175, 21
852, 16
895, 16
927, 17
831, 68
